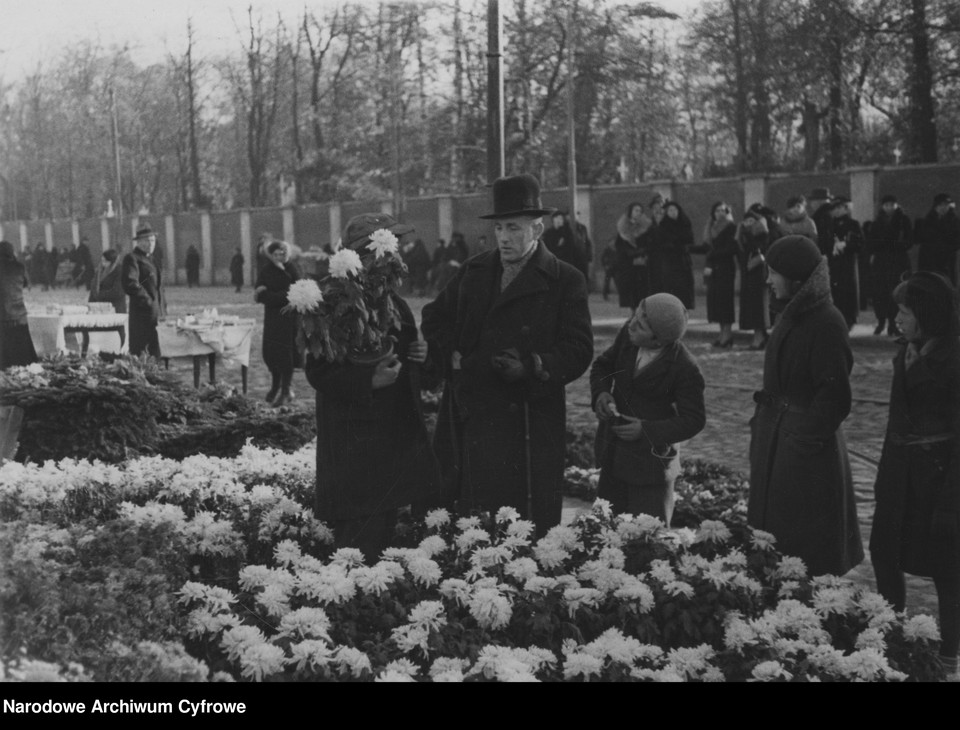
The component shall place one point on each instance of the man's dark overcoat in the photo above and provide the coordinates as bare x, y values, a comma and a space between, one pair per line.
373, 449
801, 488
674, 242
279, 328
142, 283
479, 437
918, 484
938, 237
721, 285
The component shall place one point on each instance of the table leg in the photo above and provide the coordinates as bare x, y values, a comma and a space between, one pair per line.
196, 370
243, 378
212, 359
166, 360
84, 343
122, 331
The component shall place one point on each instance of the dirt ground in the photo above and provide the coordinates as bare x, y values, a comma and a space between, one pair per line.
731, 375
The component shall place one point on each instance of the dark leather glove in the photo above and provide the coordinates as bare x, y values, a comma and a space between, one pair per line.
508, 365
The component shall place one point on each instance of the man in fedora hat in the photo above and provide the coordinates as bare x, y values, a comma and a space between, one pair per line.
143, 285
507, 333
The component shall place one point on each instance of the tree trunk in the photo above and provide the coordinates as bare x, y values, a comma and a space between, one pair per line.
923, 127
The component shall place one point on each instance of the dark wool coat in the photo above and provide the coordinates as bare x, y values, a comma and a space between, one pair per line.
16, 346
373, 449
479, 437
801, 489
674, 241
280, 350
39, 269
754, 295
801, 225
721, 284
886, 242
632, 280
667, 396
823, 220
917, 520
142, 283
236, 270
565, 246
844, 282
193, 265
939, 239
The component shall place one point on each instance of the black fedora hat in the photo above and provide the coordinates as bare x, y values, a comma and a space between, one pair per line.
144, 231
518, 195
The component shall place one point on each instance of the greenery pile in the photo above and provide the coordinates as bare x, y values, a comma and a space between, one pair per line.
113, 408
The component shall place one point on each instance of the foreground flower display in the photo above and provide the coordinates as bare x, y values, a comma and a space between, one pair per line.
213, 569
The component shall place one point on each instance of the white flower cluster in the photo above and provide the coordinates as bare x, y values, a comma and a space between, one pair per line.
304, 295
344, 263
383, 242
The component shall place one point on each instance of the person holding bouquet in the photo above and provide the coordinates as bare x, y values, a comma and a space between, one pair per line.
373, 451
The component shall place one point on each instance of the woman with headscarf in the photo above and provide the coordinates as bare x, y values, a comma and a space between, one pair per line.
630, 268
801, 487
280, 352
720, 272
674, 242
16, 346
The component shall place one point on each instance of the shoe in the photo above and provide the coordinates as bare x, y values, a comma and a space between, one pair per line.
762, 345
272, 394
285, 397
723, 345
878, 330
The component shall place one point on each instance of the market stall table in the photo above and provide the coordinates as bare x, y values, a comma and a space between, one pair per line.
227, 339
48, 330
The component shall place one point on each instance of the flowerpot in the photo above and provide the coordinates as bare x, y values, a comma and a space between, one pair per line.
363, 357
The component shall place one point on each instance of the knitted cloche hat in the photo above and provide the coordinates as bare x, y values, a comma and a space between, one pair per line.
665, 315
794, 257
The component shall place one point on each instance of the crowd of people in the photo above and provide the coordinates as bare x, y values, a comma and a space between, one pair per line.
510, 327
652, 252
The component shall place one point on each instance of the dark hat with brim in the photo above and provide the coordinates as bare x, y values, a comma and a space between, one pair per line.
942, 199
144, 231
357, 232
515, 196
839, 201
819, 194
888, 199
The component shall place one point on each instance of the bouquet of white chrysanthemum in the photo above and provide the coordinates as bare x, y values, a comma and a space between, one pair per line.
350, 312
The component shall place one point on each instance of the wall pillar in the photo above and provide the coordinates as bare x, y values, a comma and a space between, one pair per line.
246, 246
754, 191
48, 234
206, 249
336, 224
445, 217
25, 239
289, 227
75, 231
863, 192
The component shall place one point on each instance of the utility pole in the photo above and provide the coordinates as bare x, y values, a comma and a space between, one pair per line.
496, 164
571, 118
116, 159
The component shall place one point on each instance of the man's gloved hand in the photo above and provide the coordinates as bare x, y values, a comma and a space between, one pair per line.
508, 365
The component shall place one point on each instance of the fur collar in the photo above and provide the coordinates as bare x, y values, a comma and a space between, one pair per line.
814, 293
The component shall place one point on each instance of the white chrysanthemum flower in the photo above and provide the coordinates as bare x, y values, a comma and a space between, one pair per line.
578, 597
662, 571
879, 612
737, 634
425, 572
871, 639
507, 514
519, 530
202, 623
540, 584
261, 660
383, 242
679, 588
791, 568
374, 580
436, 518
521, 569
921, 628
411, 636
344, 263
456, 589
833, 600
432, 545
304, 295
788, 588
428, 614
402, 666
550, 555
287, 552
867, 664
827, 659
742, 580
637, 593
490, 608
471, 536
762, 540
468, 523
348, 557
236, 640
770, 671
392, 676
353, 660
448, 665
667, 674
307, 622
275, 599
311, 654
690, 661
580, 664
713, 531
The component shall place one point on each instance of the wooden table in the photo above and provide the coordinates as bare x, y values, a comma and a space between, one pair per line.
48, 331
226, 341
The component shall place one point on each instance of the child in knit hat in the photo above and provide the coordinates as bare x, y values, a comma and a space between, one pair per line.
647, 392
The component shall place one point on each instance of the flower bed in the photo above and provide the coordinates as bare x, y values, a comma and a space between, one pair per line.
214, 568
115, 408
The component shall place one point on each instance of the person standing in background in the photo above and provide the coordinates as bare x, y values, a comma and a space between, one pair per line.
280, 352
844, 271
887, 240
753, 239
674, 243
142, 281
631, 267
720, 272
107, 286
236, 269
938, 235
39, 267
192, 264
649, 242
796, 221
820, 213
16, 345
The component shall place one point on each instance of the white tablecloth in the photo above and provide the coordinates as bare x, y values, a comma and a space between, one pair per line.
230, 341
46, 331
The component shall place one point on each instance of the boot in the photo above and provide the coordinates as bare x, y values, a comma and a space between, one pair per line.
878, 330
274, 387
